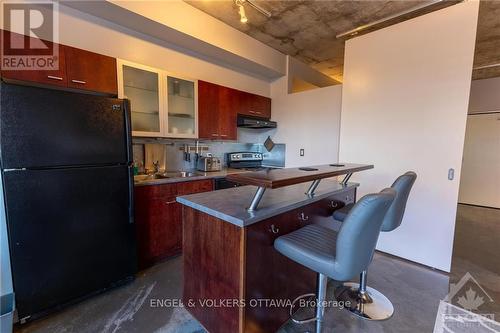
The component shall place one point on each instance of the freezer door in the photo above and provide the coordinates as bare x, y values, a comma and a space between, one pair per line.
51, 128
70, 233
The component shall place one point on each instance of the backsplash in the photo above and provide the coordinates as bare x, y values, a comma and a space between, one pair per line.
175, 156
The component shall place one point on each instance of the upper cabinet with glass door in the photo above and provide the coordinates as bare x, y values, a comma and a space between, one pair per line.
142, 86
161, 105
182, 108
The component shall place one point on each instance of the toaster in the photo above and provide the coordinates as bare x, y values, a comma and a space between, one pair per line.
208, 163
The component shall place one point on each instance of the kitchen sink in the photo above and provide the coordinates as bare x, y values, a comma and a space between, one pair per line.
142, 178
180, 174
165, 175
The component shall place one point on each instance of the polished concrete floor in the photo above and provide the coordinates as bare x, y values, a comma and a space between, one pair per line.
477, 251
414, 290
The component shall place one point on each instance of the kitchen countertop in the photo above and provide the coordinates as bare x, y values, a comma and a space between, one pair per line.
231, 204
200, 175
275, 178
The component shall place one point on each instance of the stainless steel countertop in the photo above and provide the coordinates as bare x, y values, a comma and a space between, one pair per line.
200, 175
231, 204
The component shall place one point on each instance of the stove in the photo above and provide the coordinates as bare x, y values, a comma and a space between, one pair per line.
245, 160
248, 160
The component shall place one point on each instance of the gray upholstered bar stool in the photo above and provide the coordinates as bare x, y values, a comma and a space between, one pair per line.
367, 302
338, 256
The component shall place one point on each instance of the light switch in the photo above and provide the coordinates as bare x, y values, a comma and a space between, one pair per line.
301, 151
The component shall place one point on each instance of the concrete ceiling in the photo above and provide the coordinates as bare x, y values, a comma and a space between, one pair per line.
306, 29
487, 40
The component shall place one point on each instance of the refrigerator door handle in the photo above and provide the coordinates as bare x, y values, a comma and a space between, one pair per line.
131, 194
128, 129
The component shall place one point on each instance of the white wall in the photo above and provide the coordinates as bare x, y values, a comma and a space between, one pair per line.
94, 34
485, 95
309, 120
404, 106
480, 179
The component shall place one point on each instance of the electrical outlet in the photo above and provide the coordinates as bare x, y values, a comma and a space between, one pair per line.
301, 151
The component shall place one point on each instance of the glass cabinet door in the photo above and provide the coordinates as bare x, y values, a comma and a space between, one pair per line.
181, 107
142, 87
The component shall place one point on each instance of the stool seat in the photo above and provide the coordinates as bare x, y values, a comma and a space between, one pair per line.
367, 302
341, 214
339, 256
312, 246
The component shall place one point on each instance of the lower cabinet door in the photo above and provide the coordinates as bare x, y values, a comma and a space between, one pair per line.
159, 229
158, 218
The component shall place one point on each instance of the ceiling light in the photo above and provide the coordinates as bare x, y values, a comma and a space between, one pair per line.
243, 17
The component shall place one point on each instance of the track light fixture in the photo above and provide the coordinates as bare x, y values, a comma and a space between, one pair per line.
241, 9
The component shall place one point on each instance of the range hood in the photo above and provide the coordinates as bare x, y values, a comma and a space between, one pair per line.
251, 122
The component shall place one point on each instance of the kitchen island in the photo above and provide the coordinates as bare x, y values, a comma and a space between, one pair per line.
233, 277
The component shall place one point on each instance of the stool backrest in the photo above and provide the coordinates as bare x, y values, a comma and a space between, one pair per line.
402, 185
359, 233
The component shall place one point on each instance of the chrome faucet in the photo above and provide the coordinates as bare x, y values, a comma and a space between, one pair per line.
156, 167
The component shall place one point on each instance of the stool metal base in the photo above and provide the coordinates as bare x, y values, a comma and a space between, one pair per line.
370, 305
320, 308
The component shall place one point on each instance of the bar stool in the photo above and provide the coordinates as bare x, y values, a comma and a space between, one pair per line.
366, 302
339, 256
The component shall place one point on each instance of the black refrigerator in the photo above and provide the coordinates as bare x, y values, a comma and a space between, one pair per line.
68, 190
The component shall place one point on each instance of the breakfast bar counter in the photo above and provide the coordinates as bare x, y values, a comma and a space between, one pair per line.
231, 204
234, 280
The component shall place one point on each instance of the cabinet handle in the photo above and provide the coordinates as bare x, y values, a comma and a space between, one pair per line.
78, 81
215, 134
274, 229
251, 111
223, 135
334, 204
258, 112
170, 202
58, 78
303, 217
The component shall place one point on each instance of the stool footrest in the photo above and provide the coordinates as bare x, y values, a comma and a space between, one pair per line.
302, 321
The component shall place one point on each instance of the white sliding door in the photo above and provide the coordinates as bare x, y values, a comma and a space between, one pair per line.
404, 107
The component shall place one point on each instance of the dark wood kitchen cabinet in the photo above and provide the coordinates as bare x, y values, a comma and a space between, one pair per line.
91, 71
158, 219
55, 77
218, 107
77, 68
271, 271
197, 186
224, 261
228, 101
208, 110
216, 112
254, 105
